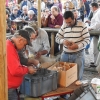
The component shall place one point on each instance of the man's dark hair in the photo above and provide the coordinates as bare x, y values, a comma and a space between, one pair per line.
94, 4
68, 14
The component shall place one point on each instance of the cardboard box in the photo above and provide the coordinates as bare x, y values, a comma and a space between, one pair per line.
65, 77
94, 86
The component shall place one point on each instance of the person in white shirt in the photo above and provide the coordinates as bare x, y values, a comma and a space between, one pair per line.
95, 25
40, 42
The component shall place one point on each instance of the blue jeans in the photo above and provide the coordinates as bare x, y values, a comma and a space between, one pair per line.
12, 94
78, 58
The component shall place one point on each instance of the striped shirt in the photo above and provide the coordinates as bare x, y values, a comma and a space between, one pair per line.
78, 34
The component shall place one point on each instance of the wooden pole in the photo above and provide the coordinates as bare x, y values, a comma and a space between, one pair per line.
3, 66
39, 13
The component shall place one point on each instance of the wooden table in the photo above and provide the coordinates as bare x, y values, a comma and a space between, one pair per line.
61, 91
52, 31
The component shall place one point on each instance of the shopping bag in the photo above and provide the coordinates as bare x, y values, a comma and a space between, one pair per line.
98, 46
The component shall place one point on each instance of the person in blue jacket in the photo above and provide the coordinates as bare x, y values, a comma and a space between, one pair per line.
14, 14
34, 7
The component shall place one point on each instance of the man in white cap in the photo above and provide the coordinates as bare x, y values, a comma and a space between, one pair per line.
15, 70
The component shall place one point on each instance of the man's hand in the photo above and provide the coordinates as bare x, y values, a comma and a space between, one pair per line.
70, 45
52, 17
57, 26
23, 20
67, 43
89, 29
38, 55
33, 61
32, 70
73, 46
46, 15
87, 21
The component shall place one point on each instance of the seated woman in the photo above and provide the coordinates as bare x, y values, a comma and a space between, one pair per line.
24, 12
55, 19
31, 16
13, 27
44, 17
14, 14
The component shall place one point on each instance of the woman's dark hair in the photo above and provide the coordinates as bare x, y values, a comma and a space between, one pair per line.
7, 12
8, 9
68, 14
94, 4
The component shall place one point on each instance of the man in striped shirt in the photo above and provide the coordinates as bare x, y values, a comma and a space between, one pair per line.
74, 36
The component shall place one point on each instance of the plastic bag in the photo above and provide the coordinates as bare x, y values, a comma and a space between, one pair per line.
98, 46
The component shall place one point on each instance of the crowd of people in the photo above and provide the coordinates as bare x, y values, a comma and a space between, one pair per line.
27, 11
30, 43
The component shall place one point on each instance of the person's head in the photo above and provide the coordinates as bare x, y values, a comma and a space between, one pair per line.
75, 12
21, 38
81, 4
47, 11
31, 31
94, 6
14, 3
13, 25
17, 5
56, 1
34, 25
67, 0
30, 14
10, 4
69, 18
54, 10
7, 14
35, 5
15, 10
25, 9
